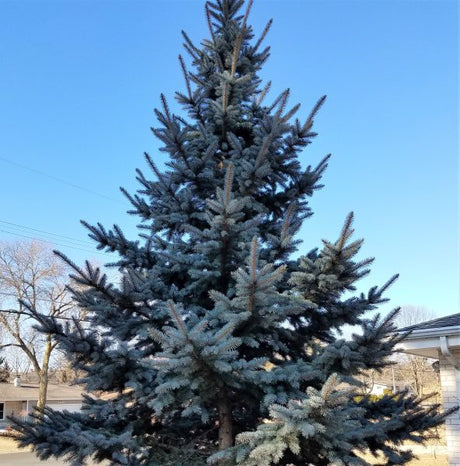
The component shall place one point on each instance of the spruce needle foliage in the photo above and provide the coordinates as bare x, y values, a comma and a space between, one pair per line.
221, 345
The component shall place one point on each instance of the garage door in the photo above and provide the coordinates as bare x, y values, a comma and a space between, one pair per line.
61, 406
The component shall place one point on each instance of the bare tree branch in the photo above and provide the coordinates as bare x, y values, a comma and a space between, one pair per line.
32, 284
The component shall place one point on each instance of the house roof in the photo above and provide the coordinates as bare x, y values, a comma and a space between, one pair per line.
435, 337
8, 392
443, 322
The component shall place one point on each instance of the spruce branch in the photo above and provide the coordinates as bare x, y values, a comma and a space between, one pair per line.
193, 51
166, 109
211, 149
321, 167
329, 386
263, 93
239, 40
208, 20
309, 122
263, 150
223, 332
246, 14
388, 283
92, 275
281, 101
186, 78
289, 114
135, 200
220, 65
347, 231
154, 168
224, 97
254, 257
236, 51
199, 82
272, 277
160, 177
264, 33
228, 182
287, 221
185, 122
180, 324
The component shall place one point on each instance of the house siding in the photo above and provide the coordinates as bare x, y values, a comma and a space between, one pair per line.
19, 408
11, 408
450, 383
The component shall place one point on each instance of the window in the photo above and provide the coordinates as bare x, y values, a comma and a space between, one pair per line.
2, 411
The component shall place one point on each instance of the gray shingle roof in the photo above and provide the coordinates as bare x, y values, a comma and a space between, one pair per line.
442, 322
8, 392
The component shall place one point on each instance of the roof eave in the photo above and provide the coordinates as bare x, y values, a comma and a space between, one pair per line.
453, 331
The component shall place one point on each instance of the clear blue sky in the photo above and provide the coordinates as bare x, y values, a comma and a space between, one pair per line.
79, 80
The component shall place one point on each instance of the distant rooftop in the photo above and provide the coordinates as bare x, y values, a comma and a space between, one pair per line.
8, 392
443, 322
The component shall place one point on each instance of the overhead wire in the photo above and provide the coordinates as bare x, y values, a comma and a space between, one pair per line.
56, 239
48, 233
47, 240
61, 180
45, 236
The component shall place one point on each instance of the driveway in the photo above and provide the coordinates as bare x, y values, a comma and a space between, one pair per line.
28, 459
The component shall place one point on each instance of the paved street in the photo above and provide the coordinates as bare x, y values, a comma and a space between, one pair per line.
27, 459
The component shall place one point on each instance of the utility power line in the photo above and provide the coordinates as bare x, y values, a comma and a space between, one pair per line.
48, 233
53, 242
60, 180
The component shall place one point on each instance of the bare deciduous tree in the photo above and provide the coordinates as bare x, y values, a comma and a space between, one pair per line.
413, 315
31, 276
5, 370
417, 370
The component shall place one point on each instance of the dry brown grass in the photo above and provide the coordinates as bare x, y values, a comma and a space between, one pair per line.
8, 445
428, 460
422, 460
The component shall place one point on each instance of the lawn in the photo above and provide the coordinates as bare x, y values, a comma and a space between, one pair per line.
429, 460
8, 445
422, 460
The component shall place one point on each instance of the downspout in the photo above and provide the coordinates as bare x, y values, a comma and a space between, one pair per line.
445, 350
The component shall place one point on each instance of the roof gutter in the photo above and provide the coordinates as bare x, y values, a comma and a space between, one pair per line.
433, 332
445, 350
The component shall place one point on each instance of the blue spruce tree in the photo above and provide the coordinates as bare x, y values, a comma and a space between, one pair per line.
219, 347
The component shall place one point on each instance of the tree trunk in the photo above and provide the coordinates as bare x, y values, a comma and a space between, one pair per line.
225, 421
416, 375
43, 375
